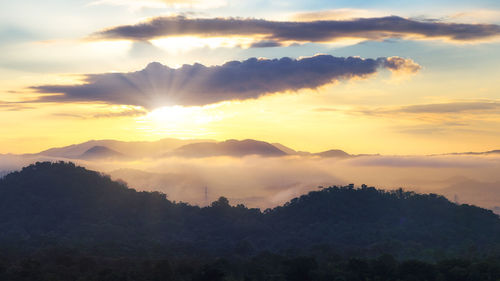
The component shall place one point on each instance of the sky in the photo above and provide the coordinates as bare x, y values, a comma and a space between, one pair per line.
389, 77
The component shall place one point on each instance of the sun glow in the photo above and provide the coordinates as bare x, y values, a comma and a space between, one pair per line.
181, 44
179, 121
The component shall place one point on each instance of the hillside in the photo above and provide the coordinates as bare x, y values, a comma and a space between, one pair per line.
61, 204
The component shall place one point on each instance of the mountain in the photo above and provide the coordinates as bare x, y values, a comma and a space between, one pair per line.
100, 153
61, 204
133, 149
183, 148
285, 149
234, 148
337, 153
490, 152
333, 153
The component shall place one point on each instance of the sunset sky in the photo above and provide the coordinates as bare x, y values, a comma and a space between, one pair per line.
389, 77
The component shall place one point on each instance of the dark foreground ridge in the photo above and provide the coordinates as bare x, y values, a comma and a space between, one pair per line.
60, 204
63, 222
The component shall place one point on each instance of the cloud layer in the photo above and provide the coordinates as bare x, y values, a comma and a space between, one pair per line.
472, 107
266, 182
304, 31
196, 85
452, 107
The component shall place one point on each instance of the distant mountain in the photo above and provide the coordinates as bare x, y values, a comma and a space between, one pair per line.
490, 152
234, 148
61, 204
285, 149
133, 149
100, 153
337, 153
185, 148
333, 153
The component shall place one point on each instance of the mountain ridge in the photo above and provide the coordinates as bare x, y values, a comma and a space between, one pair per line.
47, 203
99, 152
171, 146
131, 148
154, 149
232, 147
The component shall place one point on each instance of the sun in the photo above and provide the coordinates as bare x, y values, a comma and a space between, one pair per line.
179, 121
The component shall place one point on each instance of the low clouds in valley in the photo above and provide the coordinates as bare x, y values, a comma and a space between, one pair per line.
268, 180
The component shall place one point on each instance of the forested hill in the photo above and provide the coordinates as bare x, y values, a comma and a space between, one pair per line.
60, 204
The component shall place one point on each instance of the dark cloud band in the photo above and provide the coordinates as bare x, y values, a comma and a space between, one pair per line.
196, 85
310, 31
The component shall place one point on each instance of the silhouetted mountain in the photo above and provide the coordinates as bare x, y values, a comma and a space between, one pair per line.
60, 204
185, 148
100, 153
336, 153
235, 148
133, 149
333, 153
490, 152
285, 149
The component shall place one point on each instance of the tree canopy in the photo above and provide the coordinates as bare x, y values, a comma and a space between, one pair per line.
60, 204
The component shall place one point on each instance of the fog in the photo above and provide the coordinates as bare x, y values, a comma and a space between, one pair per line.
269, 181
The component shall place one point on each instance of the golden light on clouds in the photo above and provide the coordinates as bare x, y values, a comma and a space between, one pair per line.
336, 14
184, 44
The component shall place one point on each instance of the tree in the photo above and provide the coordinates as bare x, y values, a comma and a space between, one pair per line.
222, 202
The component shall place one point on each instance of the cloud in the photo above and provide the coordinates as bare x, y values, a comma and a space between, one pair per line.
300, 31
452, 107
128, 112
474, 16
441, 127
13, 106
451, 118
196, 85
425, 161
401, 65
266, 44
336, 14
478, 107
